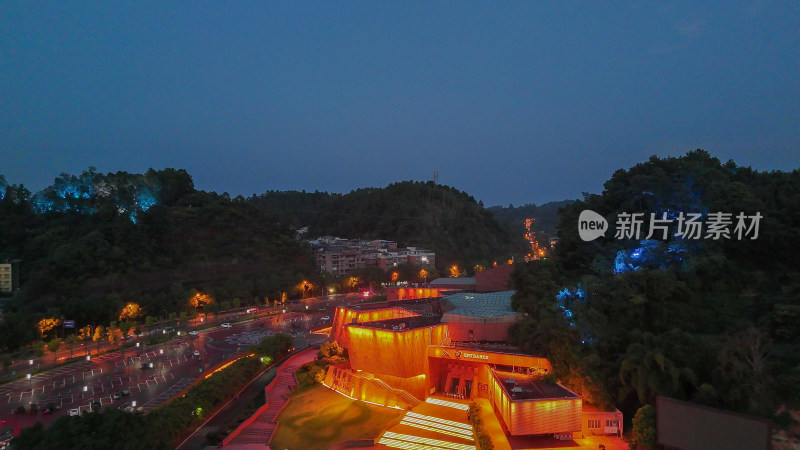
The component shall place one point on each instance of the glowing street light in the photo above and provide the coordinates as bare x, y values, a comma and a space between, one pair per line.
88, 357
137, 345
85, 388
133, 403
160, 352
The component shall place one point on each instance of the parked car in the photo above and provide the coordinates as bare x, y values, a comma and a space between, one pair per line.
193, 333
197, 353
96, 405
326, 317
116, 395
226, 325
126, 392
74, 412
50, 408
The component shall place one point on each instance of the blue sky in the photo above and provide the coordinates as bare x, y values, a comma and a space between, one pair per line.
513, 102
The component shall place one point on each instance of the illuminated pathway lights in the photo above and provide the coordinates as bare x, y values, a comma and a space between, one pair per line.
436, 401
406, 441
441, 421
430, 426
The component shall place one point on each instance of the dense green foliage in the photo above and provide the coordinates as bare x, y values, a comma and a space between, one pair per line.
275, 346
546, 215
92, 243
482, 436
425, 215
643, 435
112, 428
711, 321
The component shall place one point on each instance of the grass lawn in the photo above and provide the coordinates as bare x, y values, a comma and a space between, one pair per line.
316, 418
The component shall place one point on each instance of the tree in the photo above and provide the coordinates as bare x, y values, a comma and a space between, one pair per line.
332, 353
351, 282
47, 326
275, 346
99, 332
643, 436
125, 327
131, 311
54, 345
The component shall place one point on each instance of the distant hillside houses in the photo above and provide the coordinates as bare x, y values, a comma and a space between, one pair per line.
343, 256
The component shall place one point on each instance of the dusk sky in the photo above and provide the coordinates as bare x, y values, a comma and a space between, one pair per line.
513, 102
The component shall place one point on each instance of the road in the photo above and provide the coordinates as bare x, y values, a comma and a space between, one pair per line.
154, 374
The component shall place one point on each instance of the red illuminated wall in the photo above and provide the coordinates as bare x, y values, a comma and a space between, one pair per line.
494, 279
344, 316
396, 353
398, 293
492, 331
543, 416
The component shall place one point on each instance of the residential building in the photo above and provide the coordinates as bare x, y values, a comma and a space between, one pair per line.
344, 256
9, 277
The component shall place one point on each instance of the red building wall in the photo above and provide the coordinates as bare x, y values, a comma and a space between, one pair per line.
495, 279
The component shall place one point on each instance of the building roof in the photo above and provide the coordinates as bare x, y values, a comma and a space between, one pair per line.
452, 281
405, 323
483, 306
522, 389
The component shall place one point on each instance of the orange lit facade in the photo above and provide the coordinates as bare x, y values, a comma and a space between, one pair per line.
409, 293
399, 357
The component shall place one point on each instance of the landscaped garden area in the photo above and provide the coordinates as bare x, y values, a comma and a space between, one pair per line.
317, 417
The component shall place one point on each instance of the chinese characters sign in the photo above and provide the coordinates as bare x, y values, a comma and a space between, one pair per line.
715, 226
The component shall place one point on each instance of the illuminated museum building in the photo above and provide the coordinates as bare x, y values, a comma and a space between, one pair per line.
453, 347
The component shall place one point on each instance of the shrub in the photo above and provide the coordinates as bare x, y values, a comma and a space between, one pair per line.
482, 437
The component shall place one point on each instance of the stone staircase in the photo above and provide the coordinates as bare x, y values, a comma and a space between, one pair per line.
259, 428
399, 393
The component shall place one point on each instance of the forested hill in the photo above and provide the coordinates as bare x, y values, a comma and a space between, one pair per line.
90, 243
546, 215
714, 321
425, 215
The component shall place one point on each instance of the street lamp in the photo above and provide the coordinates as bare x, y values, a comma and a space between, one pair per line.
133, 404
88, 357
160, 352
28, 376
30, 361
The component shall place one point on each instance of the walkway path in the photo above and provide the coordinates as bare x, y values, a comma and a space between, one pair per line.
258, 429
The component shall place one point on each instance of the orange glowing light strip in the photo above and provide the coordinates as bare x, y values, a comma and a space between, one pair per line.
359, 400
225, 366
392, 443
436, 401
322, 331
428, 441
406, 422
442, 421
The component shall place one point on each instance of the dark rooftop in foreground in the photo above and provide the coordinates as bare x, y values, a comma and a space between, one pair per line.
403, 323
406, 304
524, 389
